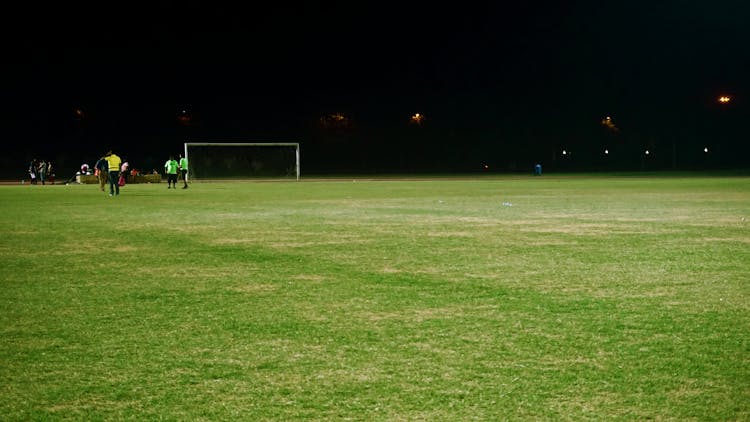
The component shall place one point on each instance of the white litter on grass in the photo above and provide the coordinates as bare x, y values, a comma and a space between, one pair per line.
507, 204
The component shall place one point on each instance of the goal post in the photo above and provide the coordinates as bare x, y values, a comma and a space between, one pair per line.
232, 160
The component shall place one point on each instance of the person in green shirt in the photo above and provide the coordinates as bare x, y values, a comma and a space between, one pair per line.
183, 170
170, 167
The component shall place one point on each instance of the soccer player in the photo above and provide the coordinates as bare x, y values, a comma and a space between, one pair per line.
183, 170
170, 167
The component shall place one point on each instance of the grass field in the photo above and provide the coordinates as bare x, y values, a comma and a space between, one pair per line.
507, 298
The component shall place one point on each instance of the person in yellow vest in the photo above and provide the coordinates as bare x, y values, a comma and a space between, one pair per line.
114, 172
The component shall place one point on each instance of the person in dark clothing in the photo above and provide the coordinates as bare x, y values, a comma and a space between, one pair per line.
102, 169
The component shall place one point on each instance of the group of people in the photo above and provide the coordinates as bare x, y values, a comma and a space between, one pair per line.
41, 171
172, 166
110, 168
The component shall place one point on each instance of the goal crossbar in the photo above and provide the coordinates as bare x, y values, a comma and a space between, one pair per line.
249, 144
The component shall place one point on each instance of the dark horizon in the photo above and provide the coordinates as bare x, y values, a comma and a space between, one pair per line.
505, 86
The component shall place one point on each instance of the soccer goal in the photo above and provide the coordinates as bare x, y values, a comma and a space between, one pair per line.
242, 160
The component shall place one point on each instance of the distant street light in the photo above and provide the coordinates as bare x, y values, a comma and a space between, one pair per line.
335, 121
78, 113
416, 119
184, 117
705, 149
725, 99
610, 124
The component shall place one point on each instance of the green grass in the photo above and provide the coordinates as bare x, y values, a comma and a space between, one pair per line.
606, 298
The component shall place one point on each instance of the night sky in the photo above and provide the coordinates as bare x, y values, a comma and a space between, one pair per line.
499, 84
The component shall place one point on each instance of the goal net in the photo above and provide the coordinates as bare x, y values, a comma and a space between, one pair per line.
242, 160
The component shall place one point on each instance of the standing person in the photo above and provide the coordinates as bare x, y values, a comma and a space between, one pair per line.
42, 171
32, 171
184, 169
170, 167
50, 172
114, 172
103, 168
124, 173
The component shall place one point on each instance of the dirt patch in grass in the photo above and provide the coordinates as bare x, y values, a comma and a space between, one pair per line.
309, 277
726, 239
417, 315
254, 288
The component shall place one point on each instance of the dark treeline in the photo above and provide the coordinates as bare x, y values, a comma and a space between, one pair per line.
706, 136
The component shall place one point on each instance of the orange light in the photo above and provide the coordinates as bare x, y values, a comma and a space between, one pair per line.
725, 99
335, 121
609, 124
